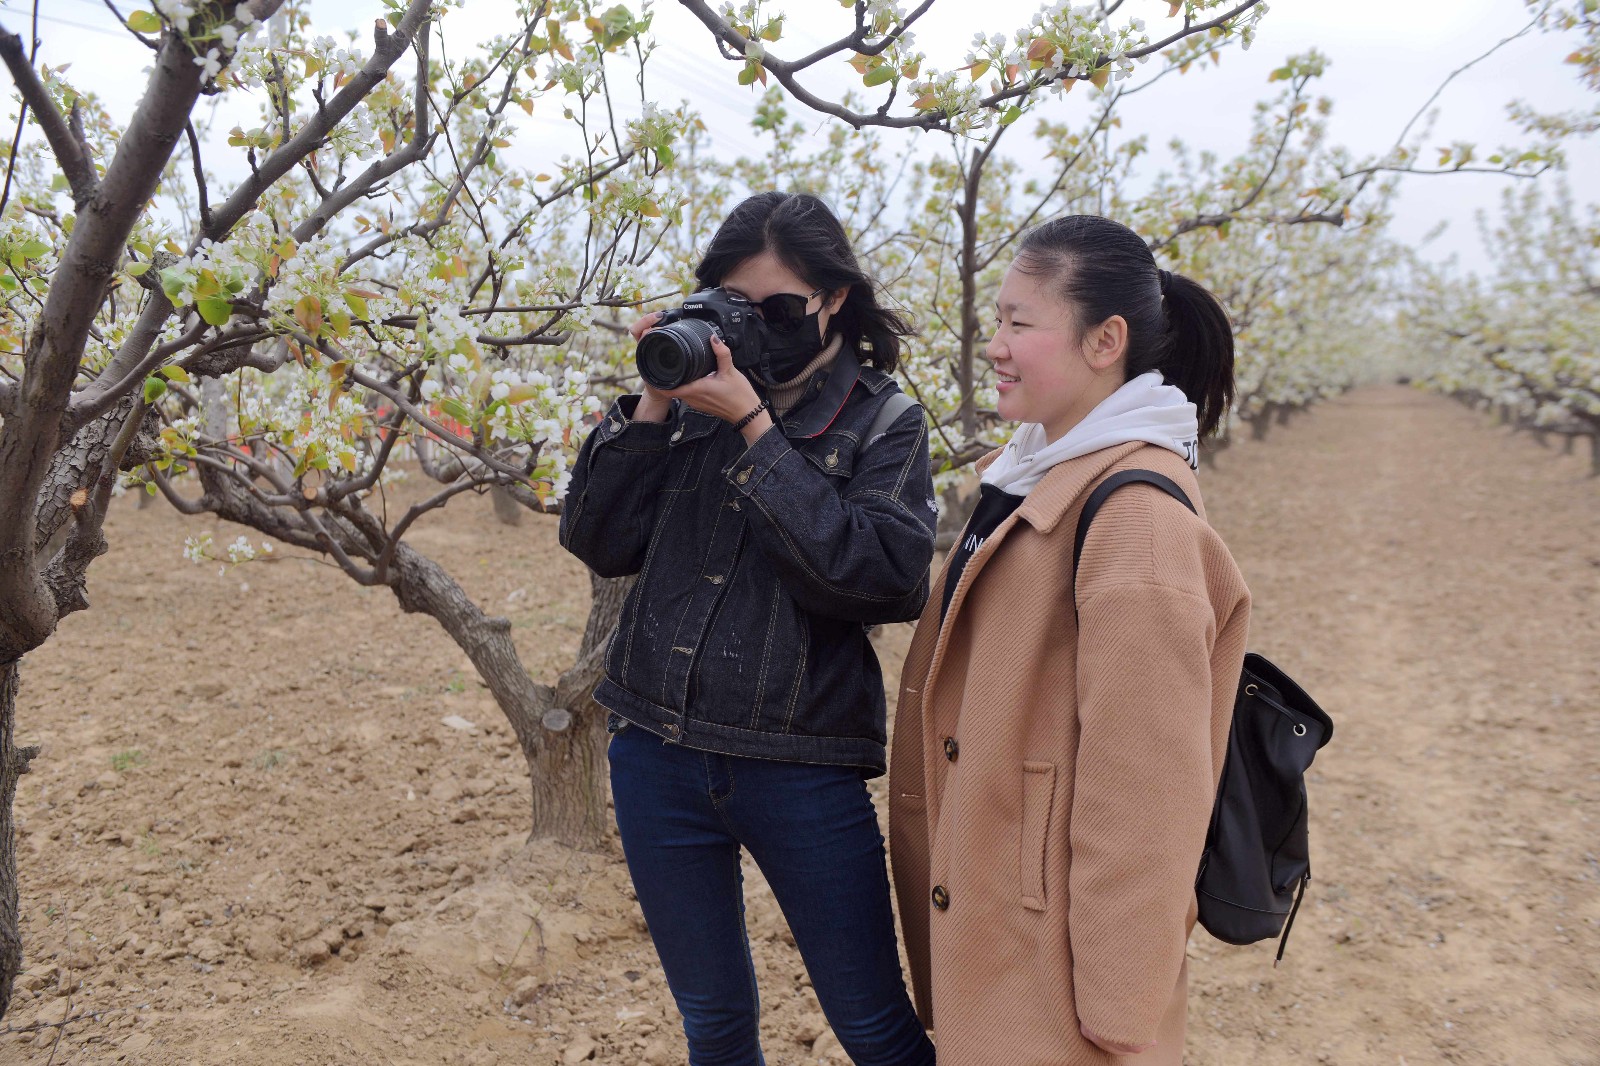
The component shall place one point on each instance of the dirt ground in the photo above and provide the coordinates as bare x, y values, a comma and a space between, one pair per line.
252, 838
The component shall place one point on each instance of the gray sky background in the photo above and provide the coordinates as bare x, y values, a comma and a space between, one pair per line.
1387, 57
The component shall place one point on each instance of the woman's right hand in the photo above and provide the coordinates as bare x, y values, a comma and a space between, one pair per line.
653, 406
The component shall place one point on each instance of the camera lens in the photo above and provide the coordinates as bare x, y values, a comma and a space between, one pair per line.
677, 353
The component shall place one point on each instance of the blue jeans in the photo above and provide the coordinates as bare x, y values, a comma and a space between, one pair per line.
684, 815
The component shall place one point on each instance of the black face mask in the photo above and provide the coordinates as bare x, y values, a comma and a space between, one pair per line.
785, 354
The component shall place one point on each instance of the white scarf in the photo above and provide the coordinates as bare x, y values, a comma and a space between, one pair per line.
1146, 409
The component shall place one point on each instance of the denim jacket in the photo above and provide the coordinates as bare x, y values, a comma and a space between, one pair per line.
760, 568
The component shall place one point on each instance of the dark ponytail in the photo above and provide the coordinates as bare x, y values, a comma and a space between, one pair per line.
1175, 325
808, 238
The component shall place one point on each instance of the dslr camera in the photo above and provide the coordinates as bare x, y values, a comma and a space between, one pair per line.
677, 350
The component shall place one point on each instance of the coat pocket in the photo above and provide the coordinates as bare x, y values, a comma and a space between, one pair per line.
1038, 796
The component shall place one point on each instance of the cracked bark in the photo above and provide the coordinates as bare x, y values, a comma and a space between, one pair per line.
13, 764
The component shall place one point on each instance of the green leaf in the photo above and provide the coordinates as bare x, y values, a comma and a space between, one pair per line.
33, 248
136, 269
1012, 114
154, 389
172, 280
144, 22
456, 410
175, 373
357, 304
879, 75
214, 309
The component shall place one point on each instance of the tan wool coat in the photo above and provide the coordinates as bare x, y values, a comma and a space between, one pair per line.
1052, 776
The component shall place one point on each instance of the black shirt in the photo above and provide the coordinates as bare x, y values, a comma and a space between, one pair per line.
994, 507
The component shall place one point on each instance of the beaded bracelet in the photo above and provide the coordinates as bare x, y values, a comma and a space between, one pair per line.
751, 417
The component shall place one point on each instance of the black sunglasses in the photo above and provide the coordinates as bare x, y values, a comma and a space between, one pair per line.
783, 312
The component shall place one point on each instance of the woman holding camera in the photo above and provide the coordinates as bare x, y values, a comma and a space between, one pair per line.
774, 510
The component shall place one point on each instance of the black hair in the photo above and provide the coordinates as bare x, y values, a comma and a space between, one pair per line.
807, 237
1175, 325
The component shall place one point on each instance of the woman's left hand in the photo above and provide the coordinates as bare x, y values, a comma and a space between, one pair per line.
725, 393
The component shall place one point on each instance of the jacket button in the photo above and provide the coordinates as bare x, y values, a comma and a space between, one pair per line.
743, 477
941, 898
832, 460
951, 748
613, 424
677, 435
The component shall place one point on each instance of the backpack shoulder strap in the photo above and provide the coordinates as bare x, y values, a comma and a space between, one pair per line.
896, 405
1106, 488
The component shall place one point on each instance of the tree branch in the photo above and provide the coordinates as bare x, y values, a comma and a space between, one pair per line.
734, 44
69, 151
388, 48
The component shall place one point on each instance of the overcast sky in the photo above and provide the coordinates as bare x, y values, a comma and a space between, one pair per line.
1387, 57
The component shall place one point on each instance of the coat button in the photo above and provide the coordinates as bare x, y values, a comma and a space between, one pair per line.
832, 460
677, 435
613, 424
941, 898
951, 748
743, 477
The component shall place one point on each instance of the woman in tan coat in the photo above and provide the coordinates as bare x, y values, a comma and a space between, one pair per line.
1060, 735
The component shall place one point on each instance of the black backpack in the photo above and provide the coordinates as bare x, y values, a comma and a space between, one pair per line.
1257, 859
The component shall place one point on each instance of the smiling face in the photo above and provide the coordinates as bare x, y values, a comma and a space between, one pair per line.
1048, 368
764, 275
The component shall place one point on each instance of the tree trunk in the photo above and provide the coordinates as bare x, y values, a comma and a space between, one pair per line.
214, 408
559, 728
570, 780
1262, 422
1567, 442
966, 376
1594, 452
13, 764
1210, 449
954, 507
507, 509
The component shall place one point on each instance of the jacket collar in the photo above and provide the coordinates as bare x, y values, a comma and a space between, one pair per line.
813, 415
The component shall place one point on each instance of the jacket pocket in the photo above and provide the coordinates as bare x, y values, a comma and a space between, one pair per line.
1038, 796
832, 453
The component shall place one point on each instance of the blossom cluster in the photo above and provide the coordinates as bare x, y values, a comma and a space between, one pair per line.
202, 548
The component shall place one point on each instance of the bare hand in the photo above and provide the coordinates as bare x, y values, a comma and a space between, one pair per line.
725, 393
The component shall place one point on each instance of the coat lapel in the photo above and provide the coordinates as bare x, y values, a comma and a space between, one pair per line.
1050, 501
